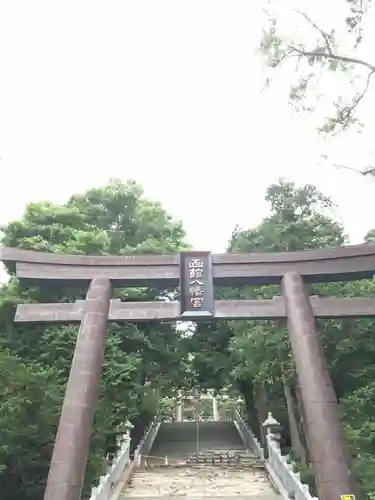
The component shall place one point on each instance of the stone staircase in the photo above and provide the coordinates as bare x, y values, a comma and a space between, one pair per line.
222, 468
181, 440
207, 482
224, 459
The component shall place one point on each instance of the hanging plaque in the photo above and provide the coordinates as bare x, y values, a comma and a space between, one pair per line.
196, 285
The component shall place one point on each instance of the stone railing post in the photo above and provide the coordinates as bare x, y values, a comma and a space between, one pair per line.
215, 409
272, 428
179, 410
128, 428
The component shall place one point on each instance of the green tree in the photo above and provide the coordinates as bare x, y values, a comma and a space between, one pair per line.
300, 218
26, 432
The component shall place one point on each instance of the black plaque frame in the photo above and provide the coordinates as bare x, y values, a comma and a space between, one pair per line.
204, 282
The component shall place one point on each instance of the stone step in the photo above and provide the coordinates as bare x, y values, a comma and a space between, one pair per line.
222, 453
222, 458
222, 468
207, 431
178, 440
223, 463
195, 482
151, 469
264, 495
239, 465
232, 458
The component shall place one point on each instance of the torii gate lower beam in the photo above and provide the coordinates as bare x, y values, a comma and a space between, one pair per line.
325, 307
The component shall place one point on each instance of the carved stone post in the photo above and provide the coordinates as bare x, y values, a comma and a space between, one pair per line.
179, 416
329, 451
68, 464
215, 409
272, 431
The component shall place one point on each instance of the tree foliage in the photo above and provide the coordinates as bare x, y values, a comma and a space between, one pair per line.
323, 53
29, 403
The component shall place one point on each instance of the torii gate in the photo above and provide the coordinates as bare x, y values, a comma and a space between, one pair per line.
208, 395
197, 273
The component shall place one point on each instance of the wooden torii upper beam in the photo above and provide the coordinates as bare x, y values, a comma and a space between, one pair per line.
333, 264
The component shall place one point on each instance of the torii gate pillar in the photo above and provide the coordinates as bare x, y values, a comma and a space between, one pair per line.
66, 475
327, 443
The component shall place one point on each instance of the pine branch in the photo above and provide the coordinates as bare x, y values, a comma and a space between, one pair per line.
323, 33
335, 57
329, 54
369, 170
358, 99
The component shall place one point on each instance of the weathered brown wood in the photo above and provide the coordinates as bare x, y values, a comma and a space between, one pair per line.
69, 458
231, 309
334, 264
329, 451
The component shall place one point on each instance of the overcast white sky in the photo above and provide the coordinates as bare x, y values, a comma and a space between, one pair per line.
166, 92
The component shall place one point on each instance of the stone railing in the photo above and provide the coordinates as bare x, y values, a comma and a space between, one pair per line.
144, 447
250, 441
279, 466
121, 462
284, 470
108, 482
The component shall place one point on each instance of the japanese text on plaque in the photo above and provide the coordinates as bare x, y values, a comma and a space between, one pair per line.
196, 284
